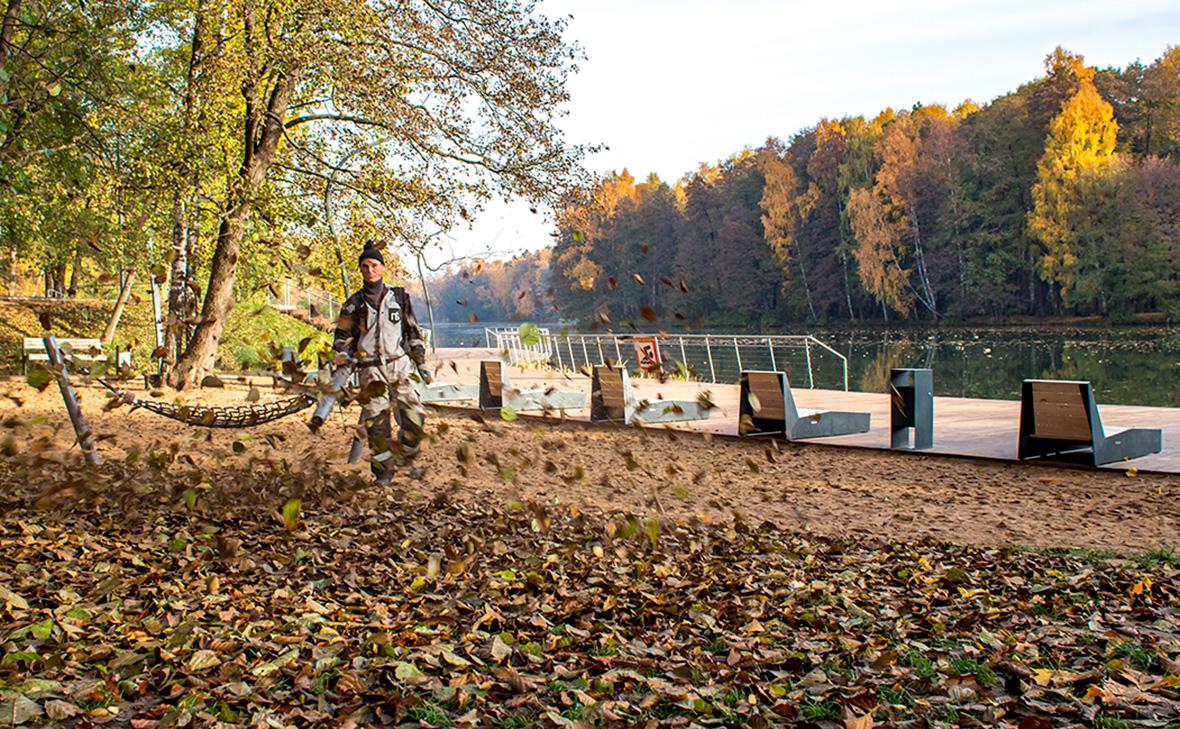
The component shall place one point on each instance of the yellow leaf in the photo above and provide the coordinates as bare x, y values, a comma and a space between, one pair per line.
1132, 472
1043, 676
1093, 694
1169, 681
968, 594
1141, 587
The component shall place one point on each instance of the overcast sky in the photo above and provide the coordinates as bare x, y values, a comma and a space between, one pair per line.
670, 84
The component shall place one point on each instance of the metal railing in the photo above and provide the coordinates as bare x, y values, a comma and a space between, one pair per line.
710, 358
507, 339
291, 296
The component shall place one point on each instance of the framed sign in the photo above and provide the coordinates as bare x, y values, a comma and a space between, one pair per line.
647, 353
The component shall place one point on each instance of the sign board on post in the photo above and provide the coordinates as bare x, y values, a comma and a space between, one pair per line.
647, 353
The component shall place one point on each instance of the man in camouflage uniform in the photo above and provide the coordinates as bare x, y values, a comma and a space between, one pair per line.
378, 332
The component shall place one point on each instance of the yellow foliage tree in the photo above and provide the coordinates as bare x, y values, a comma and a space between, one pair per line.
1081, 142
784, 210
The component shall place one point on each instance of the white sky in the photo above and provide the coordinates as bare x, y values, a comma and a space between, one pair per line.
670, 84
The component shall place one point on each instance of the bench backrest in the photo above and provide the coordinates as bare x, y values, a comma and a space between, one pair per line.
1062, 410
771, 392
493, 383
77, 344
610, 394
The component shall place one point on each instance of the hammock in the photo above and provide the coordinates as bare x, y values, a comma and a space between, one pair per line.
222, 416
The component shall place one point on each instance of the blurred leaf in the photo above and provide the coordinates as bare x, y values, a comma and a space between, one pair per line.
291, 514
529, 334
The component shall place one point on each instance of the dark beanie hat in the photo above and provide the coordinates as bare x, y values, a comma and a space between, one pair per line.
371, 251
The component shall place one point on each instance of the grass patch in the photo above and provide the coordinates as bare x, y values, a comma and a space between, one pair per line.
1138, 656
251, 328
918, 661
1157, 558
963, 666
820, 710
431, 714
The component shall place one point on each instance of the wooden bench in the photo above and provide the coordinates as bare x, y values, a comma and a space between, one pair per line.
79, 350
496, 392
612, 401
767, 407
1059, 419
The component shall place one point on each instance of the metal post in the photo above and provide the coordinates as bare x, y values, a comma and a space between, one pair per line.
810, 375
618, 354
569, 345
709, 352
738, 352
601, 356
81, 430
585, 352
683, 357
557, 349
770, 346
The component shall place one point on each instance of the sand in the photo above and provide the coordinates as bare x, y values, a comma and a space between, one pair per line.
678, 476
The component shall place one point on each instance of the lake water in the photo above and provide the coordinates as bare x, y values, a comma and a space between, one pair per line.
1126, 365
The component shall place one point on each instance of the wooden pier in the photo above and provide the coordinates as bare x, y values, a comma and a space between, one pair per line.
962, 426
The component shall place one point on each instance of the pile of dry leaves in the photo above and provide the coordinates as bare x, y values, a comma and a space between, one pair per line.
153, 594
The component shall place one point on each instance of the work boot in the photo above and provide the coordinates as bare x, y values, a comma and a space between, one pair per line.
384, 477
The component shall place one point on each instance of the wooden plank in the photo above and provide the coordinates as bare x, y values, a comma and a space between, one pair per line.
1059, 411
767, 387
36, 343
495, 386
610, 379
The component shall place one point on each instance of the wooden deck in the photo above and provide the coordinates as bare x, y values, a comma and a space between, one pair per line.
962, 426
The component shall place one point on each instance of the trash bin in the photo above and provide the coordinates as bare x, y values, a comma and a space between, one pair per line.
911, 396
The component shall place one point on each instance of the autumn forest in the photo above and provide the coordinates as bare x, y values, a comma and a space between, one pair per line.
1061, 198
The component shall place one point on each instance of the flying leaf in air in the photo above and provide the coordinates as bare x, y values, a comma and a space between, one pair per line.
291, 514
529, 334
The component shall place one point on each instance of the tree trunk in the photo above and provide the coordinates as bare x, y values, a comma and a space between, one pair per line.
175, 328
6, 32
124, 293
72, 289
806, 286
263, 130
927, 296
177, 284
847, 287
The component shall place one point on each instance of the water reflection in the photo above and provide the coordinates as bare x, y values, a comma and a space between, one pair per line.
1134, 367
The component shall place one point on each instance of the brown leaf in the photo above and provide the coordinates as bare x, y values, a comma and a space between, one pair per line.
61, 710
859, 722
648, 313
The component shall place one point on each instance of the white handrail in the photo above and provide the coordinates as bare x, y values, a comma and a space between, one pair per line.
549, 352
